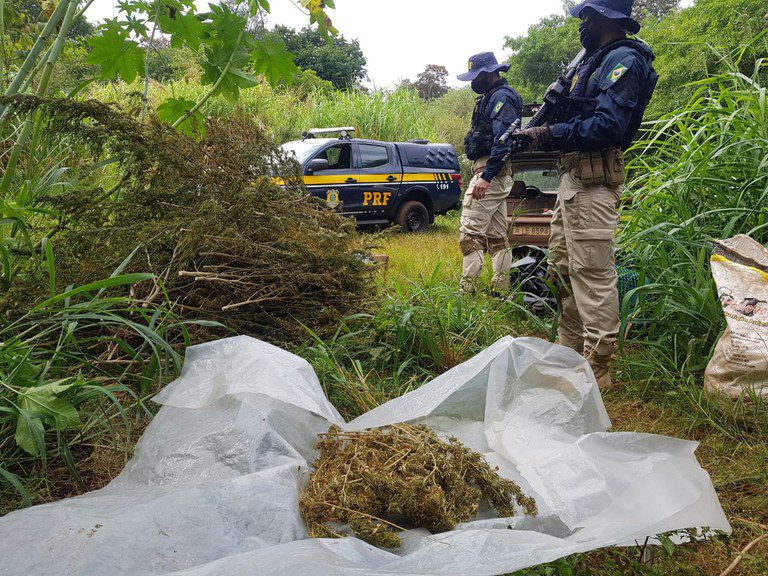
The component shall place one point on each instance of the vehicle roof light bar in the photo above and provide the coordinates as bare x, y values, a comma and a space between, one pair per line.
345, 132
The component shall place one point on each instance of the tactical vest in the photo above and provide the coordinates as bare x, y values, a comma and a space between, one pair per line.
479, 140
572, 106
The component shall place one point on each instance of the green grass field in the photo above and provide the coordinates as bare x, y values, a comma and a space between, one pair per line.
431, 256
420, 326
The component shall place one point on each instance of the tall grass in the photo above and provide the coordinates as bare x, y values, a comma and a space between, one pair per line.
76, 365
286, 113
420, 329
702, 174
381, 115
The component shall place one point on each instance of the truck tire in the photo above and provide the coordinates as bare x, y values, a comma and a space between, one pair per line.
412, 216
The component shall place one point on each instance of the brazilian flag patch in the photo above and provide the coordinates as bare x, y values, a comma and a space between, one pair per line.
617, 72
499, 106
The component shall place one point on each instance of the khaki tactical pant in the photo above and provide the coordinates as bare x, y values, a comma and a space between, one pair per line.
484, 228
582, 246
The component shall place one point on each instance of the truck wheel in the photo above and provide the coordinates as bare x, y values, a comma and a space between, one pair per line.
412, 216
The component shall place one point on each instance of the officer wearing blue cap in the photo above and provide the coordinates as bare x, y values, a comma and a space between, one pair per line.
593, 123
484, 224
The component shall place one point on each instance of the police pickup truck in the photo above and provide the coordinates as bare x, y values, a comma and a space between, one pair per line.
407, 183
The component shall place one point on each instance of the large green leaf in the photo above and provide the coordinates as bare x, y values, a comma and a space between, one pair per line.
30, 435
115, 53
174, 108
272, 59
227, 26
235, 77
255, 5
45, 400
184, 28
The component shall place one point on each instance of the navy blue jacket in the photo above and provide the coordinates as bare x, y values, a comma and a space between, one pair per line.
503, 108
619, 90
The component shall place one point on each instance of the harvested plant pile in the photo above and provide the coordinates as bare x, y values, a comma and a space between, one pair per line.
206, 216
365, 478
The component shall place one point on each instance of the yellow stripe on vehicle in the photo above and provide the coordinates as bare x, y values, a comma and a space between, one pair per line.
331, 179
421, 177
378, 178
341, 179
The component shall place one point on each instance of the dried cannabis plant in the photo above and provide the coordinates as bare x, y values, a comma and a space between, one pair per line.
365, 478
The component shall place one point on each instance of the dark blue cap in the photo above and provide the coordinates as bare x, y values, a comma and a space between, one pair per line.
479, 63
613, 9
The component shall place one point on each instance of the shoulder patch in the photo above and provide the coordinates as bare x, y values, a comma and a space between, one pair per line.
499, 106
617, 72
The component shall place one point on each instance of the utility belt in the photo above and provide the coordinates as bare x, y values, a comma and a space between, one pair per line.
599, 167
479, 165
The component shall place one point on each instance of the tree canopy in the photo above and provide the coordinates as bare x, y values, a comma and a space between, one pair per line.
339, 61
540, 56
430, 83
690, 44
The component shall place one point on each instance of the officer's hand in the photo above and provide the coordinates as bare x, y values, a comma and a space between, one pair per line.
534, 138
480, 188
519, 142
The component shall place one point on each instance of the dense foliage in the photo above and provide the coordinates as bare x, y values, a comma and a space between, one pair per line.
339, 61
89, 329
701, 174
122, 239
680, 39
430, 83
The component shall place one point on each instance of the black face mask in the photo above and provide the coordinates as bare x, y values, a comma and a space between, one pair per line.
587, 37
482, 83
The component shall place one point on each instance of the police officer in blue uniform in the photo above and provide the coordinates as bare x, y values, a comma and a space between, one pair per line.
484, 226
593, 124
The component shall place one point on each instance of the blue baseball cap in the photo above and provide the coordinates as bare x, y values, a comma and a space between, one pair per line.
479, 63
612, 9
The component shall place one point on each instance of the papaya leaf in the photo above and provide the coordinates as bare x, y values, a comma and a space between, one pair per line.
115, 53
272, 59
174, 108
232, 76
184, 28
255, 5
226, 26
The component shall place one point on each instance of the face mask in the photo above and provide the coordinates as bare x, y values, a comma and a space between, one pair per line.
588, 37
481, 84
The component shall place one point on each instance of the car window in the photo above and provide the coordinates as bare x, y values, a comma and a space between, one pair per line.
302, 149
372, 156
544, 180
339, 156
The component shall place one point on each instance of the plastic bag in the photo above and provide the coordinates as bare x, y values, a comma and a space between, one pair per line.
213, 486
739, 365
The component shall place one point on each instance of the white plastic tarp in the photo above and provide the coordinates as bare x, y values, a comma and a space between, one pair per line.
213, 486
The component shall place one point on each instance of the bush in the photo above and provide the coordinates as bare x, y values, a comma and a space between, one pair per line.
701, 174
209, 219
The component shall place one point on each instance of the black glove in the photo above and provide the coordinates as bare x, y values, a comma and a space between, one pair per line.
530, 138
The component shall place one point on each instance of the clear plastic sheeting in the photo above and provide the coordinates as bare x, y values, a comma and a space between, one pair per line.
213, 487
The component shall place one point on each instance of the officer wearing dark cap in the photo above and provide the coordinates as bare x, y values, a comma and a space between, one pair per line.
484, 224
595, 121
